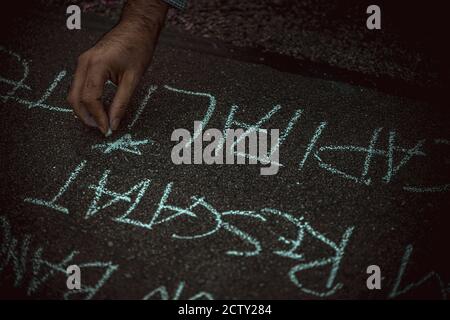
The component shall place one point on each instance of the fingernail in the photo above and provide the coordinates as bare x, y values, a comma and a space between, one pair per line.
108, 133
115, 124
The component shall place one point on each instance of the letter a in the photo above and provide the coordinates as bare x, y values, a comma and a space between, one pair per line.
374, 281
374, 20
74, 20
74, 277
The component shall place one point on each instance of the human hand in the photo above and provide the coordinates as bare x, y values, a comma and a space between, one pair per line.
122, 56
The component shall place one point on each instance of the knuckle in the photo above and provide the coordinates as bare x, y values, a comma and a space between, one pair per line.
95, 59
90, 83
122, 107
85, 100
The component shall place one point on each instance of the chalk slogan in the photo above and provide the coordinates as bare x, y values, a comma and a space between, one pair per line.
166, 212
395, 156
290, 247
32, 270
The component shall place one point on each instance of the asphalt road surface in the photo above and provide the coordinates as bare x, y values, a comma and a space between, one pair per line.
363, 181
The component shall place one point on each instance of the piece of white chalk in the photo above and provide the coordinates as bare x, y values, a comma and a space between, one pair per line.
108, 133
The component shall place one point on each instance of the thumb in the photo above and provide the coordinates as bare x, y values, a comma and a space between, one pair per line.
122, 99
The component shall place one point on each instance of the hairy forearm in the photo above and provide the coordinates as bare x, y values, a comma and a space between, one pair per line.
146, 16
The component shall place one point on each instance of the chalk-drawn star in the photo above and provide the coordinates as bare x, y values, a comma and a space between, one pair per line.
125, 143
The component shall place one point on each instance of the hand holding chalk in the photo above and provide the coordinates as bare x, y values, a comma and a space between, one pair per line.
122, 56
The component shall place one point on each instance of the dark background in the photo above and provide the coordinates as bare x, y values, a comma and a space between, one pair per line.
361, 81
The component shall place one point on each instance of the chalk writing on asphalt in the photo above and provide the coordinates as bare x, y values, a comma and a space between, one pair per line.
120, 205
396, 156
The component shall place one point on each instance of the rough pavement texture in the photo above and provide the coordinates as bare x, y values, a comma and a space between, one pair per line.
248, 256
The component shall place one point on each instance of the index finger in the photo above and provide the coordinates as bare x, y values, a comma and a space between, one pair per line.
91, 96
122, 98
73, 97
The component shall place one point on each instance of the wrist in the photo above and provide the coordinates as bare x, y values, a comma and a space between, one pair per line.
146, 17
